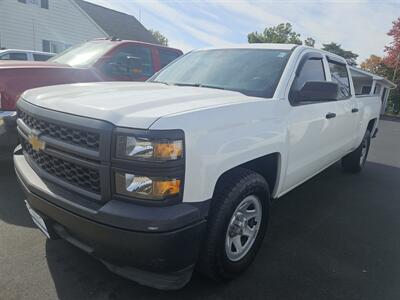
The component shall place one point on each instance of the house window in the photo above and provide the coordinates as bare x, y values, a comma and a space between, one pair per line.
53, 46
377, 89
39, 3
366, 89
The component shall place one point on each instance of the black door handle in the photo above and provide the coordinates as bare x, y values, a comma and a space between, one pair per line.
354, 110
330, 115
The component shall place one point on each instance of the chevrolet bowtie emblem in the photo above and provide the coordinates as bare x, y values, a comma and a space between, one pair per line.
35, 142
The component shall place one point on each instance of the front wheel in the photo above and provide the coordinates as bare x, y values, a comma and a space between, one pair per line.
355, 161
236, 225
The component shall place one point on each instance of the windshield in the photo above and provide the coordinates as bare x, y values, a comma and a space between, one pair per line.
83, 55
253, 72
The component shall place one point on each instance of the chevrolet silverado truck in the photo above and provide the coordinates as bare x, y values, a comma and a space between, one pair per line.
97, 60
159, 178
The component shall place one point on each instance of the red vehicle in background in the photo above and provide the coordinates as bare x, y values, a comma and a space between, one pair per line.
97, 60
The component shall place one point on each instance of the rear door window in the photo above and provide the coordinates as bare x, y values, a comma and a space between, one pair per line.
41, 57
340, 75
167, 56
134, 62
14, 56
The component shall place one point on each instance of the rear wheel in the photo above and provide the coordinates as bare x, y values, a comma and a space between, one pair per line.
236, 225
355, 161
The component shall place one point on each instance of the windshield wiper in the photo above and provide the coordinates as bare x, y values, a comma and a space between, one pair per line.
162, 82
212, 86
199, 85
187, 84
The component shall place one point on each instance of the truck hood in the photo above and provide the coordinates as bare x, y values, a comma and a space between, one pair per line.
129, 104
10, 64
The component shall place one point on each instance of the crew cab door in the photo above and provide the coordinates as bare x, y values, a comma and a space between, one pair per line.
311, 126
347, 110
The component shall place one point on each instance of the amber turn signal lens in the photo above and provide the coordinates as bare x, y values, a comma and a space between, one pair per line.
172, 150
166, 188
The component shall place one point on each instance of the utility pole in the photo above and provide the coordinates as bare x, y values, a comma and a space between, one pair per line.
396, 67
33, 34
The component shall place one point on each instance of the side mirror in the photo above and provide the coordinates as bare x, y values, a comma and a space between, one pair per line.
318, 91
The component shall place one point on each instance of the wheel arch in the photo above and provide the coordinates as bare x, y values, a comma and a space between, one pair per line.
268, 166
372, 124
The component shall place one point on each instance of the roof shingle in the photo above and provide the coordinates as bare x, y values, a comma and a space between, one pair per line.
117, 24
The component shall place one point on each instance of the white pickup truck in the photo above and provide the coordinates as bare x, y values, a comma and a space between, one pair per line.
157, 178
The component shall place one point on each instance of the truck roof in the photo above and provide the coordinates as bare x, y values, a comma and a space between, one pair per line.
119, 41
254, 46
273, 46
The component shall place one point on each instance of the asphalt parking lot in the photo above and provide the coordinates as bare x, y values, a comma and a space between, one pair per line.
335, 237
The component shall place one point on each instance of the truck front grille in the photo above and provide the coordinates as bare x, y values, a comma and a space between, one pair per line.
80, 176
81, 138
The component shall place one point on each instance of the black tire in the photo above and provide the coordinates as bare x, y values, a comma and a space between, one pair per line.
355, 161
230, 192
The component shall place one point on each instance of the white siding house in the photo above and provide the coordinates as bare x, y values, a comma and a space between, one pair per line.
30, 25
53, 25
366, 83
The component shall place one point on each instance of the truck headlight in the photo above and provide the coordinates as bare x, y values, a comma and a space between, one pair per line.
145, 187
132, 147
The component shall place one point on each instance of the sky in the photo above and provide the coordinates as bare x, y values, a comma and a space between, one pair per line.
359, 26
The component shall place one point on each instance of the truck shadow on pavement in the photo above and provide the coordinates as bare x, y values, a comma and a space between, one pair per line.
335, 236
12, 205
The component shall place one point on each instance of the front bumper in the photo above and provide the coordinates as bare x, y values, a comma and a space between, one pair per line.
8, 130
162, 259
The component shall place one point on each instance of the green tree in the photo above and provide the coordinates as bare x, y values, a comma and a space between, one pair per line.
282, 33
337, 49
309, 42
159, 37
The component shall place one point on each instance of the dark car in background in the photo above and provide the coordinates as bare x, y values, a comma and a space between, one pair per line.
97, 60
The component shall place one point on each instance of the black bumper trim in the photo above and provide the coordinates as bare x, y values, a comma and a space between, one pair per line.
163, 260
172, 281
115, 213
159, 260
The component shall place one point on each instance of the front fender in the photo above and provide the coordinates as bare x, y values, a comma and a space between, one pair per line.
220, 138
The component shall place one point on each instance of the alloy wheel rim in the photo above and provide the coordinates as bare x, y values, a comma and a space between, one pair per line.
243, 228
